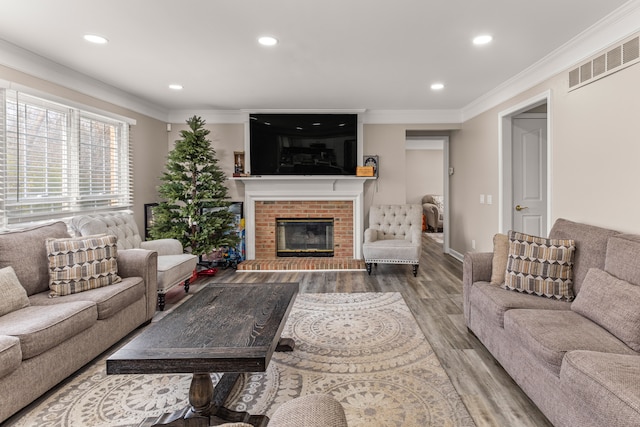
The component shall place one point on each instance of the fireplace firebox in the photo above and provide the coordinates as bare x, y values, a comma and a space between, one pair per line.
304, 237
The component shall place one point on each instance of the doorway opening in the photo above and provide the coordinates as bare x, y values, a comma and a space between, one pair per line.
525, 166
427, 157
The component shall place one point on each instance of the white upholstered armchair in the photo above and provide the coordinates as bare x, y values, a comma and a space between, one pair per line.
174, 266
394, 236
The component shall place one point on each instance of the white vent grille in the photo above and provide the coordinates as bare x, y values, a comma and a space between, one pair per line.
613, 59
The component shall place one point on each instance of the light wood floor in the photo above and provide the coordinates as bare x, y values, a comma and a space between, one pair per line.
435, 298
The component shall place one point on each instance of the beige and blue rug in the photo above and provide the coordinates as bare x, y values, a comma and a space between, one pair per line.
365, 349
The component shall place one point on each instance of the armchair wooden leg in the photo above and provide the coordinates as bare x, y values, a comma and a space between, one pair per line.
415, 270
369, 268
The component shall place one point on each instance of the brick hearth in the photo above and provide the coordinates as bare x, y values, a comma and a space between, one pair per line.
307, 263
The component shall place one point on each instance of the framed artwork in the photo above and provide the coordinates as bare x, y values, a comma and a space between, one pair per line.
371, 160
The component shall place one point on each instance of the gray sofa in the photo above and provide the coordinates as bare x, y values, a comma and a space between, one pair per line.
577, 360
47, 339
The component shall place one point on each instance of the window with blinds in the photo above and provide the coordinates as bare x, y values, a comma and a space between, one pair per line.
59, 161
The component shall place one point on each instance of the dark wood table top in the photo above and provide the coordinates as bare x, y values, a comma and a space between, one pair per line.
221, 328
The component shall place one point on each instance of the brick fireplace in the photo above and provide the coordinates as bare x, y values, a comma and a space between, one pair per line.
266, 212
271, 197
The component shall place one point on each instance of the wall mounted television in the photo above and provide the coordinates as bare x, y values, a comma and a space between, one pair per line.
303, 144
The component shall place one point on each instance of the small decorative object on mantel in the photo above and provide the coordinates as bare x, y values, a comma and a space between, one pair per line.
238, 163
372, 160
364, 171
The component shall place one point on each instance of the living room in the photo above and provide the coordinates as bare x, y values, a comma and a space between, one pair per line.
587, 126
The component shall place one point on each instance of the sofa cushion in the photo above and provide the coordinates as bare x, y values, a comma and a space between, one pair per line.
494, 301
41, 328
172, 269
611, 380
549, 334
622, 257
613, 304
12, 295
10, 354
29, 244
388, 250
500, 257
109, 299
591, 246
540, 266
77, 264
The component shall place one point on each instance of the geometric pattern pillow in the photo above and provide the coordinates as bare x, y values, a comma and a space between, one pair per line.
81, 263
540, 266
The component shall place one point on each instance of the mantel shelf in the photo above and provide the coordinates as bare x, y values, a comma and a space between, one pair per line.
254, 178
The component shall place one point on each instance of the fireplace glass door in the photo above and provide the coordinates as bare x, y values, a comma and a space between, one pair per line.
300, 237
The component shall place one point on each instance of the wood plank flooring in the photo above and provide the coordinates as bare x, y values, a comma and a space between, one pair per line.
435, 298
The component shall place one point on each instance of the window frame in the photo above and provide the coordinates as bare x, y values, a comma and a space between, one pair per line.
113, 176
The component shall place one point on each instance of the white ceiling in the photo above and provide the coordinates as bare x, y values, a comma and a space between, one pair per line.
333, 54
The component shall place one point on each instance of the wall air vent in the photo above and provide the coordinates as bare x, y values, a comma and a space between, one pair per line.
607, 62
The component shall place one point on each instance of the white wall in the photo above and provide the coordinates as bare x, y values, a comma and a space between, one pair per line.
424, 174
594, 159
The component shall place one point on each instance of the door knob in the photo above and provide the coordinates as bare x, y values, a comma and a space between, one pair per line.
519, 208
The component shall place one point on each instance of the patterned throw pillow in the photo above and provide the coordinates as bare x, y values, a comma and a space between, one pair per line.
540, 266
81, 263
12, 295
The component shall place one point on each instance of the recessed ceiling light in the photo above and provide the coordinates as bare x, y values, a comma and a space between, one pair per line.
437, 86
268, 41
483, 39
175, 86
93, 38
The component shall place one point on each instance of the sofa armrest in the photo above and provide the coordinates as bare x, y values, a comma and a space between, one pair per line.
163, 246
476, 267
141, 263
314, 410
370, 235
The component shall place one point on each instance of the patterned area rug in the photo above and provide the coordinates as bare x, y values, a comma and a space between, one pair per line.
365, 349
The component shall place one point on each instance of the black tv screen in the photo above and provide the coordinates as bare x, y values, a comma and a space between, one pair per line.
303, 144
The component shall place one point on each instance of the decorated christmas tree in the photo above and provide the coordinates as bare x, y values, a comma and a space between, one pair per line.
195, 207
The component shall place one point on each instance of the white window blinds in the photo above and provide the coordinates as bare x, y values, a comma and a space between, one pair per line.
59, 161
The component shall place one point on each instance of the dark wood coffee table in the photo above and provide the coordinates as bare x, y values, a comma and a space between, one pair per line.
224, 328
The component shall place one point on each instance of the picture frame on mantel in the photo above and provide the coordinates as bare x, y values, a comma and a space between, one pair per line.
371, 160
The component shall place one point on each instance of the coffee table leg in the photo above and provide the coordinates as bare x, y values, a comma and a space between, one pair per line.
201, 394
206, 406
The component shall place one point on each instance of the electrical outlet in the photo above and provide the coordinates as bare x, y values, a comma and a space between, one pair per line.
473, 244
482, 199
489, 199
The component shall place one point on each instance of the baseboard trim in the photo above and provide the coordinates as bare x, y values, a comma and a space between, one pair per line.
456, 255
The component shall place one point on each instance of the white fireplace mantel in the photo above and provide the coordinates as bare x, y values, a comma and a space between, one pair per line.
304, 188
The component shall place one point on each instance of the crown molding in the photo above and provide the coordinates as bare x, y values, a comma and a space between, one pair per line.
412, 116
25, 61
620, 24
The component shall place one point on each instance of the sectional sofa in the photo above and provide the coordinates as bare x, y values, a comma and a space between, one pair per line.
576, 357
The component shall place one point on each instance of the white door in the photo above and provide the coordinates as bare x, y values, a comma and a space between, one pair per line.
529, 162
